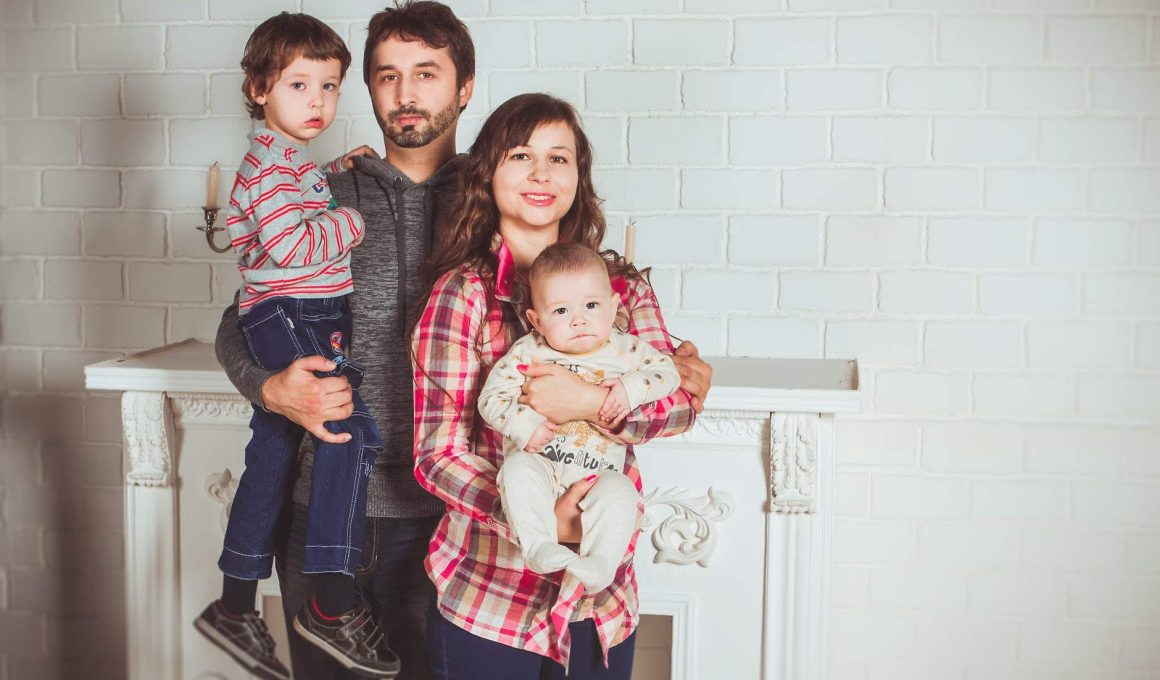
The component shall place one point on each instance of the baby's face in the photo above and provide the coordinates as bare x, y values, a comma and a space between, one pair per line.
574, 311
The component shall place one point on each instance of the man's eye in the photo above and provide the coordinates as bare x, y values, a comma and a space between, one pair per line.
426, 75
390, 77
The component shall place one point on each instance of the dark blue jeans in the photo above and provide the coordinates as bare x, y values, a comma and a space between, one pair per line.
458, 655
277, 332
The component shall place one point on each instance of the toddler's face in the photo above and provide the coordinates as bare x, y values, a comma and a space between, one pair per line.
574, 311
302, 102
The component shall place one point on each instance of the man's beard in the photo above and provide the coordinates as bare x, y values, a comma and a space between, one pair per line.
415, 136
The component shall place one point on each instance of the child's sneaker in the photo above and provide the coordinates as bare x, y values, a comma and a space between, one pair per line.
245, 638
353, 639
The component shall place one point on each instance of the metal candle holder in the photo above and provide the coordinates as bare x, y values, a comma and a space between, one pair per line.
210, 229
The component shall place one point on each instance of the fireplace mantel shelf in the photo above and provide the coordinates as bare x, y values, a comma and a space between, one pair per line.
739, 505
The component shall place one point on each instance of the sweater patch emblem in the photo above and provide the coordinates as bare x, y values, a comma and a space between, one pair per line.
319, 186
336, 341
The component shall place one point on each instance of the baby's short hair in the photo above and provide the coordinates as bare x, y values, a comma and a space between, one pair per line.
565, 258
277, 42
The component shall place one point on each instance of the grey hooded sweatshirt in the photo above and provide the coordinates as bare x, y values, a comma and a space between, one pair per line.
400, 216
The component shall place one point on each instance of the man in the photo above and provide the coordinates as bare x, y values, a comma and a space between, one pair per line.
419, 66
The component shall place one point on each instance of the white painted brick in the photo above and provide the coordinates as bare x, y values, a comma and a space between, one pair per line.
919, 292
873, 241
1148, 244
636, 189
880, 139
567, 85
225, 97
170, 10
873, 342
632, 6
874, 542
1115, 503
67, 11
921, 393
1028, 295
976, 242
1122, 295
731, 91
255, 10
888, 443
1093, 40
1021, 89
956, 639
164, 189
193, 322
714, 291
920, 498
936, 89
970, 344
727, 6
898, 39
830, 188
1072, 548
663, 42
89, 95
1152, 139
38, 50
1132, 91
19, 279
666, 283
103, 419
828, 5
675, 141
1019, 499
935, 189
1126, 191
941, 4
632, 90
1077, 345
1088, 140
1148, 345
1020, 593
965, 546
972, 448
779, 42
1029, 190
40, 233
171, 282
1081, 451
778, 141
82, 188
826, 291
607, 138
833, 90
81, 280
536, 7
165, 93
773, 240
850, 586
984, 140
707, 332
19, 93
1139, 647
223, 286
680, 239
501, 44
1121, 598
851, 494
1119, 396
121, 48
130, 326
1075, 244
64, 371
1143, 552
205, 46
42, 142
40, 324
928, 589
582, 42
873, 634
1024, 395
729, 189
988, 40
204, 141
790, 338
123, 142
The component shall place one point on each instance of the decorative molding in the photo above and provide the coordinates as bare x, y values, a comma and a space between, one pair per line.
147, 424
690, 534
682, 609
221, 487
746, 425
793, 462
207, 408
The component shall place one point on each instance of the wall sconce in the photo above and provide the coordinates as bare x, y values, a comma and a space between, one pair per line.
211, 211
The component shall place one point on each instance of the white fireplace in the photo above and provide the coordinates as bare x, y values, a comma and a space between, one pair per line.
735, 548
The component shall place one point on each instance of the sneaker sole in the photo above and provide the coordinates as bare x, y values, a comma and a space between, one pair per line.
235, 652
341, 658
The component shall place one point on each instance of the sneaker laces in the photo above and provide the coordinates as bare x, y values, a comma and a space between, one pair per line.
264, 634
356, 631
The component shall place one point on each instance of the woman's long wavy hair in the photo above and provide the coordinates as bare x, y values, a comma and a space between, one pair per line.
465, 233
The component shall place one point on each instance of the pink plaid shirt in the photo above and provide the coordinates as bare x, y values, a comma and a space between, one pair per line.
474, 561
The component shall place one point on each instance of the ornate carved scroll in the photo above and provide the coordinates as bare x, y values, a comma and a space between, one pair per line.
148, 427
221, 487
793, 462
689, 534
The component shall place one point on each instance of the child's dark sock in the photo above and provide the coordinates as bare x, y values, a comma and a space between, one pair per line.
238, 595
335, 595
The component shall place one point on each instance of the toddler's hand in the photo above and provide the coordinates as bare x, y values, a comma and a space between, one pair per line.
347, 161
541, 436
615, 406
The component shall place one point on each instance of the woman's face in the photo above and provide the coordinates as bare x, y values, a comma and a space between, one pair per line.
535, 184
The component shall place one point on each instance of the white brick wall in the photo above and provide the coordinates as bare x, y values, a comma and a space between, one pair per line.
961, 194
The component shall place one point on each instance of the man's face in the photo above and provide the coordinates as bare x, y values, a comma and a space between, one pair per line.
414, 94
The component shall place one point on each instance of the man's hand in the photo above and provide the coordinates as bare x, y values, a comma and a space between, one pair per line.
541, 436
696, 375
568, 529
559, 394
347, 161
309, 400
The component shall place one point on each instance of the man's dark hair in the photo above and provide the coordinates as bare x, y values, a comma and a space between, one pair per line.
276, 43
431, 23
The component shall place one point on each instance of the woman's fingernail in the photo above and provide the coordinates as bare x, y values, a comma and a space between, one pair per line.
521, 367
590, 478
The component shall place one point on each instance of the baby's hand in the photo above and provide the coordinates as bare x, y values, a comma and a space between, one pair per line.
615, 406
541, 436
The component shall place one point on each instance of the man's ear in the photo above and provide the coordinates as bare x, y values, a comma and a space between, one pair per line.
534, 318
465, 92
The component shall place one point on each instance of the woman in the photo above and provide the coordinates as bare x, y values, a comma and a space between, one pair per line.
525, 184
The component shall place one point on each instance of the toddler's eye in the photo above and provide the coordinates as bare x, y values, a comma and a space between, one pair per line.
330, 87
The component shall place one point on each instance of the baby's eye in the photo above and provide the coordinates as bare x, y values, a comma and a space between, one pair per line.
593, 305
560, 310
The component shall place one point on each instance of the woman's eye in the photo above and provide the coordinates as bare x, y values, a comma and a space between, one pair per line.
519, 156
559, 159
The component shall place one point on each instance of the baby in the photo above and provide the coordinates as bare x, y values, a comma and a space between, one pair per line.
573, 310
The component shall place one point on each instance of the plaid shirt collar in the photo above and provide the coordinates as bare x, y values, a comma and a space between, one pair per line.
512, 288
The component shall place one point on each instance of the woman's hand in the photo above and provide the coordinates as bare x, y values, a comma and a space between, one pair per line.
696, 375
559, 394
568, 529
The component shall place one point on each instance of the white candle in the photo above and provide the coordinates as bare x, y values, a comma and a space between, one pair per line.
629, 240
211, 189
